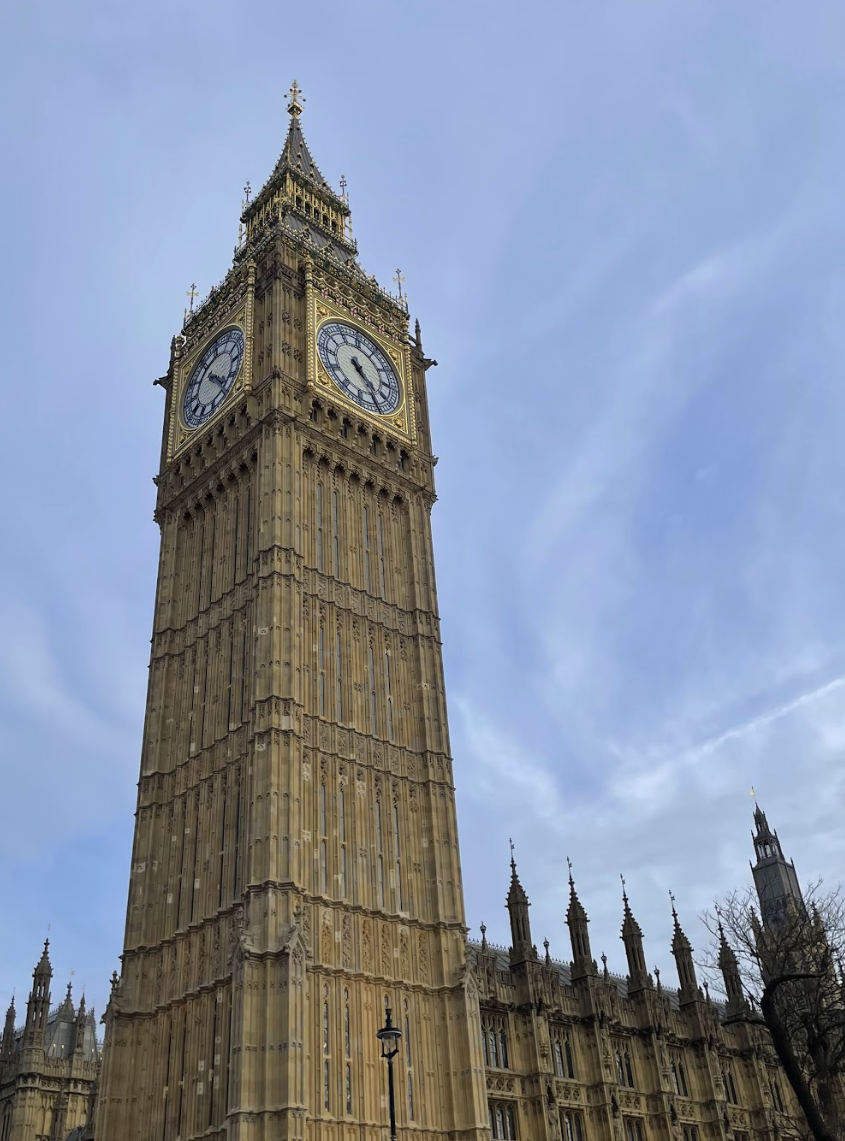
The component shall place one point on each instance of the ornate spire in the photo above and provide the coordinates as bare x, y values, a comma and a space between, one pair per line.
775, 877
298, 199
682, 951
38, 1005
576, 919
7, 1045
632, 937
81, 1018
517, 905
483, 937
729, 967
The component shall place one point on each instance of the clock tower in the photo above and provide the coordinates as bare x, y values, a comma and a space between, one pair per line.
295, 866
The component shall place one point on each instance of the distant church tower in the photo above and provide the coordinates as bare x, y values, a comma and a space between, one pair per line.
775, 878
295, 864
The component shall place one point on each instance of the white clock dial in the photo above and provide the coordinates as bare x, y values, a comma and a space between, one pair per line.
213, 377
359, 367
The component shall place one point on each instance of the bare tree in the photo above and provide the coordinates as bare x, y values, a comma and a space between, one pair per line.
782, 966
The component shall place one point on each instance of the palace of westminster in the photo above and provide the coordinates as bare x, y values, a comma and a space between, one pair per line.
295, 866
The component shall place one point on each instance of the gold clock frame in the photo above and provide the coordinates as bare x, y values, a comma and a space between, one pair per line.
401, 422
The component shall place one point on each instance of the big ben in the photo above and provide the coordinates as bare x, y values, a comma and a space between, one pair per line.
295, 864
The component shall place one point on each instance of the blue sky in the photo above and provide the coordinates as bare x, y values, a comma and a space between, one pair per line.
621, 228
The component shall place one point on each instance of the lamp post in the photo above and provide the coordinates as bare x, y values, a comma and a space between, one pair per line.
389, 1036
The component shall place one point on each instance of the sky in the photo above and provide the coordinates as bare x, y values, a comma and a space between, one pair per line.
621, 228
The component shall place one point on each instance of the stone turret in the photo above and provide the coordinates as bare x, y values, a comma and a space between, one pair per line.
7, 1046
682, 951
38, 1005
632, 937
577, 921
517, 904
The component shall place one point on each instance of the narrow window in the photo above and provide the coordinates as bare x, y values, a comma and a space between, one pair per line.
373, 723
322, 671
343, 885
629, 1073
380, 860
347, 1049
570, 1066
319, 526
367, 549
558, 1060
326, 1054
335, 538
409, 1064
338, 669
389, 696
322, 808
503, 1048
397, 856
324, 877
380, 529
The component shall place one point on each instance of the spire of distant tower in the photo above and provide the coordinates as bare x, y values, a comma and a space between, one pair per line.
81, 1018
8, 1044
517, 905
682, 951
775, 877
729, 967
632, 937
577, 921
38, 1005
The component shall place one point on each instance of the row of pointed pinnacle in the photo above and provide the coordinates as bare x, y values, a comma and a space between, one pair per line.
631, 934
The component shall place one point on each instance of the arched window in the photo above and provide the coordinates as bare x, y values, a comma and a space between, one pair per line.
572, 1126
347, 1050
409, 1064
321, 668
494, 1035
326, 1054
570, 1066
338, 671
388, 695
379, 849
366, 537
380, 533
335, 536
558, 1052
319, 526
397, 857
629, 1073
373, 722
502, 1121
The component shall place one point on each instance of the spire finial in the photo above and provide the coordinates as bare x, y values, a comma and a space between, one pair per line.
247, 191
295, 100
483, 937
548, 956
604, 964
399, 279
569, 865
624, 891
513, 861
672, 900
657, 976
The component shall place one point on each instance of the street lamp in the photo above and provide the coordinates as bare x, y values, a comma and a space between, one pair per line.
389, 1036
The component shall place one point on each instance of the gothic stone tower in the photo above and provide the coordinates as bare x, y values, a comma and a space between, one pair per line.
295, 864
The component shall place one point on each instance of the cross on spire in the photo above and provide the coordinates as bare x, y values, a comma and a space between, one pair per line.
191, 294
247, 191
343, 185
295, 100
399, 279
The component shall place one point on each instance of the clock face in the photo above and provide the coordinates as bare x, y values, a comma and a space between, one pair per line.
359, 367
213, 377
